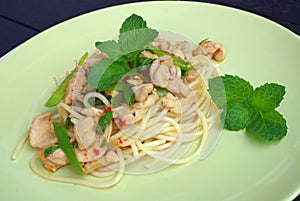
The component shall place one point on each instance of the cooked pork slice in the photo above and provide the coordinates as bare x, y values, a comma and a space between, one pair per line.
85, 132
77, 84
54, 161
92, 153
41, 132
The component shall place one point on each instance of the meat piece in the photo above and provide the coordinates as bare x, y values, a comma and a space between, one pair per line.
92, 153
149, 101
77, 84
96, 57
178, 105
126, 115
141, 92
181, 49
53, 161
41, 132
163, 73
211, 49
85, 132
92, 112
148, 54
162, 70
135, 80
58, 157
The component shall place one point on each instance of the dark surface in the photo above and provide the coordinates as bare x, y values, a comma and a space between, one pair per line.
21, 20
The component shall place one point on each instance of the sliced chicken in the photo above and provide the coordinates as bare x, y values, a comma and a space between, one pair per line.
135, 80
41, 132
85, 132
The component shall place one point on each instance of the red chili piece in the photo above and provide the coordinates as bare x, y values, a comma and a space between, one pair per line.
96, 151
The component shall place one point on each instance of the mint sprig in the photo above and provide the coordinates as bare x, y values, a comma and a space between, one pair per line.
245, 107
134, 35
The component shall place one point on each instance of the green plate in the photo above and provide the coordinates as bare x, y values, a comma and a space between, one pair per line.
239, 168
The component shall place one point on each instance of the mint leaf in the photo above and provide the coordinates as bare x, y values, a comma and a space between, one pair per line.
229, 89
247, 108
267, 97
133, 22
269, 126
111, 48
107, 73
136, 39
236, 116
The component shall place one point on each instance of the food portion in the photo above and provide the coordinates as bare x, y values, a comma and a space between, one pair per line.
140, 96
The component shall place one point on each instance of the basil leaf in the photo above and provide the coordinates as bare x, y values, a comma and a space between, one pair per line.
66, 146
60, 92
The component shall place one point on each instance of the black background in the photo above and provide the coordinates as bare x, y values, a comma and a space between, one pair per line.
22, 19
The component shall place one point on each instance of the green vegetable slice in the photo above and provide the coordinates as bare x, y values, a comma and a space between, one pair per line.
83, 58
66, 146
183, 65
60, 91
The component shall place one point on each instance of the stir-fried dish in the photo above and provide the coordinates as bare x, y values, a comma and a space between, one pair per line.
111, 111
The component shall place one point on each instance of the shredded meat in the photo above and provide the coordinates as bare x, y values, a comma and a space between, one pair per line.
135, 80
41, 132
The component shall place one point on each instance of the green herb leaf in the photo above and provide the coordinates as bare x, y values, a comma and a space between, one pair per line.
133, 22
248, 108
83, 58
134, 40
128, 94
60, 92
267, 97
50, 150
111, 48
229, 89
64, 143
104, 122
107, 73
269, 126
236, 116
